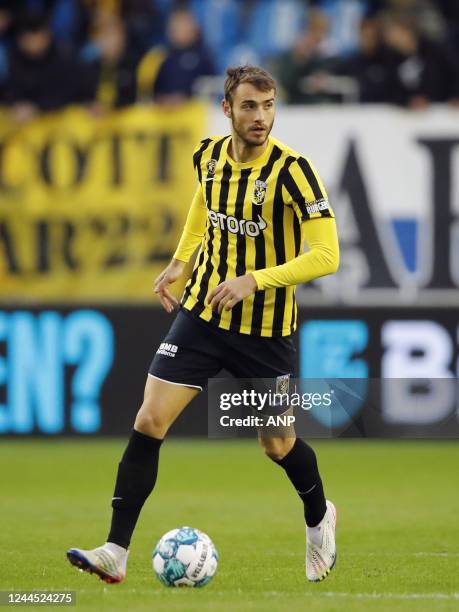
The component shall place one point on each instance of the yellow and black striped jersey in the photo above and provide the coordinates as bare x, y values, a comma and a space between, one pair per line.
254, 218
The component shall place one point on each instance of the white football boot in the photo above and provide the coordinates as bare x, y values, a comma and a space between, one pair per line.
321, 547
107, 561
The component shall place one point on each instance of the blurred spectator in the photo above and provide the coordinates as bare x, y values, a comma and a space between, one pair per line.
169, 74
270, 26
341, 45
222, 24
143, 22
450, 12
344, 19
111, 7
6, 22
110, 65
420, 70
37, 72
70, 21
302, 71
424, 12
12, 10
368, 65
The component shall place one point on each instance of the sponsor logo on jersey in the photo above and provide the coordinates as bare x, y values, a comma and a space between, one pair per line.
169, 350
237, 226
259, 192
317, 206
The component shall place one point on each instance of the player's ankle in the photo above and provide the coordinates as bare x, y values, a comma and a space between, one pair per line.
115, 548
315, 534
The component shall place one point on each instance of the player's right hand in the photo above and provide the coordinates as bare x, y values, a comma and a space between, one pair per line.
169, 275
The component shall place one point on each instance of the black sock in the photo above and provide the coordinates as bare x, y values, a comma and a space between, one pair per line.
300, 465
135, 481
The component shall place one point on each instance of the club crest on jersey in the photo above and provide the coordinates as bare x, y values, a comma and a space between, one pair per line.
259, 192
211, 166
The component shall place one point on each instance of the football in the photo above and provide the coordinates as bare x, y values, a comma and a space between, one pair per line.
185, 557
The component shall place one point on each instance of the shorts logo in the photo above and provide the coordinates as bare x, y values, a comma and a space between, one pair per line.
211, 166
259, 192
317, 206
169, 350
283, 384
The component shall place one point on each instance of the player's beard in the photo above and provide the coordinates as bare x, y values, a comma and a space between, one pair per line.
251, 140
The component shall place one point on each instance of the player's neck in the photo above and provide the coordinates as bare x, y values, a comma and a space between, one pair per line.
241, 152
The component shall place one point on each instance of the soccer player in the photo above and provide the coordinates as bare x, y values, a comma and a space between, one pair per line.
256, 203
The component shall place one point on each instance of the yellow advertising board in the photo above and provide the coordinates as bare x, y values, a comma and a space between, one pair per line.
91, 209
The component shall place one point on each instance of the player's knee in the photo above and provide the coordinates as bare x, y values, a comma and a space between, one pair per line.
151, 425
152, 422
276, 448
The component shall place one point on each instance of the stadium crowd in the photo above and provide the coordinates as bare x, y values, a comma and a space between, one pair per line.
112, 53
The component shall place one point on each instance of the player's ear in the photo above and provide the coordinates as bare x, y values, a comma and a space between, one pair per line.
226, 106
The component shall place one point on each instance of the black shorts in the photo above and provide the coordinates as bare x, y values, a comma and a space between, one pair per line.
194, 351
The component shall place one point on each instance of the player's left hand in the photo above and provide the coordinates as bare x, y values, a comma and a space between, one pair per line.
230, 292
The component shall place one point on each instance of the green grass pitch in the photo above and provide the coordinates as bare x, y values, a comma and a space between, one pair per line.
398, 526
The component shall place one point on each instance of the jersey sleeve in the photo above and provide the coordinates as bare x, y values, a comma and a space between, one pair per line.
194, 229
321, 259
304, 191
197, 155
196, 221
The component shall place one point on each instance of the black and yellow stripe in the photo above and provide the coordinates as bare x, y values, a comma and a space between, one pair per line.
255, 211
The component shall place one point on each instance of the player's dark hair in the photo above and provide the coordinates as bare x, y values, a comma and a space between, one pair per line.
256, 76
